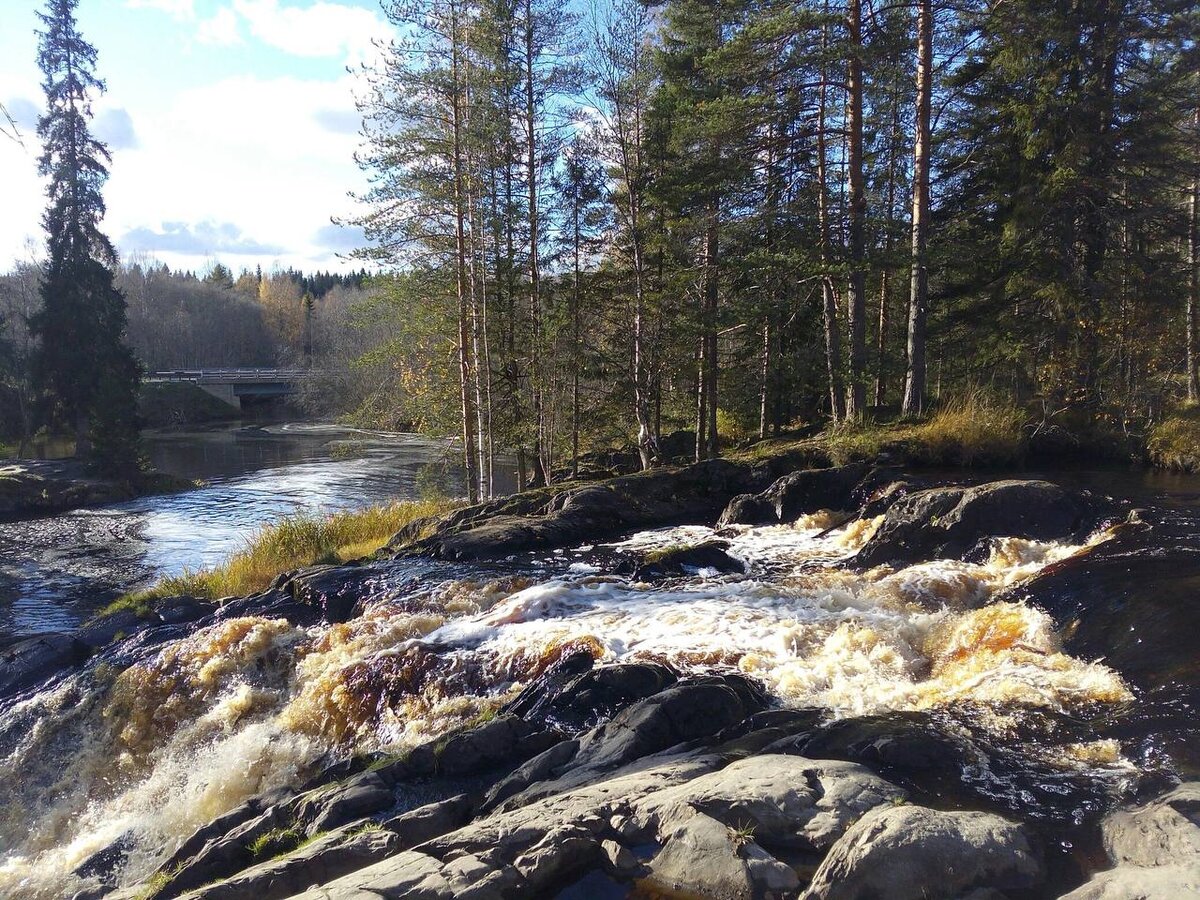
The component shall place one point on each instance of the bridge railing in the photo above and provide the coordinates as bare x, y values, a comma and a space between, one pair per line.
229, 375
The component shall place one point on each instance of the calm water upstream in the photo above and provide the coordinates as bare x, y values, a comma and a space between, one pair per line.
55, 571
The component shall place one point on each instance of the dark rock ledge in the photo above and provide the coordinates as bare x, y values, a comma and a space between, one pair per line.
684, 787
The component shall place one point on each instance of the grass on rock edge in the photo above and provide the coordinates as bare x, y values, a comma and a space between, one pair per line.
1174, 443
974, 429
290, 543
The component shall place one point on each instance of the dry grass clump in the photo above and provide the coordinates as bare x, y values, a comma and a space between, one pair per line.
974, 428
290, 543
1174, 443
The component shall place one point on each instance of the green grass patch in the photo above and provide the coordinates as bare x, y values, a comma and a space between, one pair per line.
276, 842
1174, 443
154, 886
290, 543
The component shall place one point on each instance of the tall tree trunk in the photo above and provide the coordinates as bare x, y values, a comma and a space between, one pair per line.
1105, 42
915, 377
1193, 306
540, 464
701, 404
764, 396
711, 364
833, 347
575, 361
856, 312
460, 269
885, 275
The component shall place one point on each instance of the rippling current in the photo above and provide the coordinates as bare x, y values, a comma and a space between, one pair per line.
55, 571
160, 734
148, 747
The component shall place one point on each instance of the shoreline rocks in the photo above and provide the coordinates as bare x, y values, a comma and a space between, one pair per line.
635, 774
31, 487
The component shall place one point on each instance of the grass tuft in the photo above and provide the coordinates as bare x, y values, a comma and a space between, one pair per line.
275, 842
290, 543
975, 428
1174, 443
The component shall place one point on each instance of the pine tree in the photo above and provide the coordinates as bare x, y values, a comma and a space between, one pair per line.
88, 376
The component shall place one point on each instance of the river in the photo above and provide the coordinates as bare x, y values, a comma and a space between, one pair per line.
57, 570
1059, 676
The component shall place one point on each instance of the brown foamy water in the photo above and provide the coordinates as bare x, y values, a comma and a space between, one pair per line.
251, 704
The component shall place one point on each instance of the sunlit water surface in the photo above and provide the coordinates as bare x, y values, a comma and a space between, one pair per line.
55, 571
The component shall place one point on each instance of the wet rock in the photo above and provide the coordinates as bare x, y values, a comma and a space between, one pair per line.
503, 740
26, 663
811, 490
103, 863
104, 630
1129, 600
274, 603
179, 610
950, 522
689, 710
573, 695
676, 561
797, 494
328, 857
545, 519
909, 746
1163, 832
914, 853
218, 828
749, 509
1154, 848
334, 591
541, 767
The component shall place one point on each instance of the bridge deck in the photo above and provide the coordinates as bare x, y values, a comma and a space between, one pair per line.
229, 376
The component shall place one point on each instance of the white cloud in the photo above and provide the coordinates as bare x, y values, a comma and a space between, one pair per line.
221, 30
322, 29
271, 165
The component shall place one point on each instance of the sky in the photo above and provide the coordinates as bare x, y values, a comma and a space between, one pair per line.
231, 123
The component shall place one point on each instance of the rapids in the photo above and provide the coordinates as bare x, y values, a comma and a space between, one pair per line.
152, 740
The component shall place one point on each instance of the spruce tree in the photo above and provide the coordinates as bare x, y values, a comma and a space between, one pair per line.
86, 374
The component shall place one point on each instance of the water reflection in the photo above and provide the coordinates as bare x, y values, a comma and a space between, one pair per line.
55, 571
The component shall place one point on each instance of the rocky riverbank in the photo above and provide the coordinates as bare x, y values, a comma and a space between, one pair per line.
38, 487
1008, 760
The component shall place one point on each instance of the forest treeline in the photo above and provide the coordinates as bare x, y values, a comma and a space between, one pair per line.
601, 225
181, 320
734, 215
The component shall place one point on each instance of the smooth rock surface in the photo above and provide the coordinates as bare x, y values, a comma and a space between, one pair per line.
915, 853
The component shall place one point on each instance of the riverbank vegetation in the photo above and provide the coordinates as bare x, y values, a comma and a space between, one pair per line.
290, 543
1174, 443
744, 219
976, 428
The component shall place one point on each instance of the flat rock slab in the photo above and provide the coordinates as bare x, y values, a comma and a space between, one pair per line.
915, 853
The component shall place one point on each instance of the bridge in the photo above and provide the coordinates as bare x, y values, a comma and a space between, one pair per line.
237, 387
